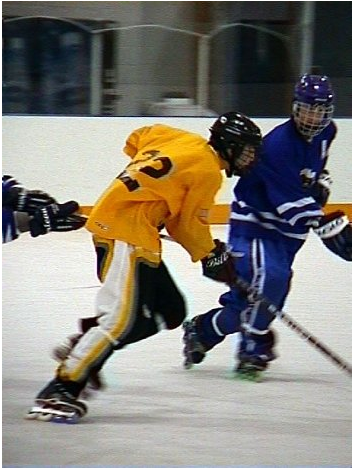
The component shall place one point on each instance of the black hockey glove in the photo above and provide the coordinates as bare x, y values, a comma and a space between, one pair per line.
28, 201
59, 217
335, 232
322, 187
219, 264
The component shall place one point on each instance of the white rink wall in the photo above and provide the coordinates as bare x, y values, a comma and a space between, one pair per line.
77, 157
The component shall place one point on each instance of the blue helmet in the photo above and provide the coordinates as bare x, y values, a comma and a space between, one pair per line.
314, 89
312, 104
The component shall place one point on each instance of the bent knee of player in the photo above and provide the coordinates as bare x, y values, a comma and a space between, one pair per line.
226, 320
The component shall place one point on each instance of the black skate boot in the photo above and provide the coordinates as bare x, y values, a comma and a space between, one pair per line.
62, 351
194, 350
57, 403
255, 353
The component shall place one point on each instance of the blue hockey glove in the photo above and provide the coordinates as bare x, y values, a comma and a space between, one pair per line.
322, 188
58, 217
219, 264
335, 231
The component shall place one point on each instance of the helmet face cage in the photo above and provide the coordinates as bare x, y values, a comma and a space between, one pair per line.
313, 107
241, 157
311, 120
236, 138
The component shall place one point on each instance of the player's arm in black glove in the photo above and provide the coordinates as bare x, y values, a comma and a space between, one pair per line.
18, 198
322, 188
335, 231
219, 265
58, 217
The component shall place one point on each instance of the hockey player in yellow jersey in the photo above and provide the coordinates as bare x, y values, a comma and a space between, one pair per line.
171, 182
170, 169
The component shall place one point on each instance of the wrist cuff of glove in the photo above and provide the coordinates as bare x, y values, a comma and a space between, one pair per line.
332, 228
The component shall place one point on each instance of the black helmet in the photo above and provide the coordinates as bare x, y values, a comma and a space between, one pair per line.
230, 133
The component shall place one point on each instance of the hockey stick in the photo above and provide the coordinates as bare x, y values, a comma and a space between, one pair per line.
253, 296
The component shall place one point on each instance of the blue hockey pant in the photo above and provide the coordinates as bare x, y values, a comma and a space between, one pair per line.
266, 265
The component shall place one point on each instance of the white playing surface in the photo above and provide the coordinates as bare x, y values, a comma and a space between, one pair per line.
154, 413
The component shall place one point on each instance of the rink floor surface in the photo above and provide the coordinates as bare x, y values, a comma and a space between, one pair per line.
153, 412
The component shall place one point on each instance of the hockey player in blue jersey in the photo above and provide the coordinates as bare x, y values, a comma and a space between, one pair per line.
34, 211
274, 207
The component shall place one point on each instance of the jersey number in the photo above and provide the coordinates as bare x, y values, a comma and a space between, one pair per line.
154, 172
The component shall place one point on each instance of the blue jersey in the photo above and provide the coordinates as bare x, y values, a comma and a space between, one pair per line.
275, 200
9, 227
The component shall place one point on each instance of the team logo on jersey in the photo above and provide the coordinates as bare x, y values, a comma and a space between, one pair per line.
101, 225
307, 177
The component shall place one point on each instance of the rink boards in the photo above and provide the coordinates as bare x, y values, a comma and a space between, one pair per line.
220, 213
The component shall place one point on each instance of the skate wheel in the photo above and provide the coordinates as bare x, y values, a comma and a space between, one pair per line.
65, 419
31, 415
44, 416
249, 377
39, 416
37, 413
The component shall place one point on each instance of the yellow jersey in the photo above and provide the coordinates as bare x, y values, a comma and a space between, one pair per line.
172, 179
